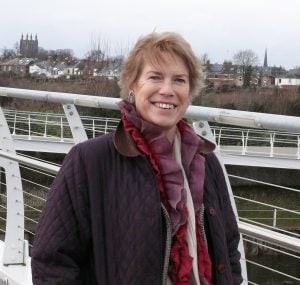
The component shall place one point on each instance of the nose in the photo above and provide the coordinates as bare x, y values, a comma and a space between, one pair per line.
166, 88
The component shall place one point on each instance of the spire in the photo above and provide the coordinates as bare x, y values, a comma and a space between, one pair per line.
266, 59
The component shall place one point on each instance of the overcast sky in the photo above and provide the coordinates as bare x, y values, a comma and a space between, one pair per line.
219, 28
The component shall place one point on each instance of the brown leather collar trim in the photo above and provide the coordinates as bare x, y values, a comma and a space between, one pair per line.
124, 143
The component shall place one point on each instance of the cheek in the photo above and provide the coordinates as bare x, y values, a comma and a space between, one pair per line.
186, 99
139, 104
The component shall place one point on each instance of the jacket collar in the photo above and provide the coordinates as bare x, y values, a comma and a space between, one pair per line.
126, 146
124, 143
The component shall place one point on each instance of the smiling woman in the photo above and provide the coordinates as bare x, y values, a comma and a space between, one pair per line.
147, 204
162, 93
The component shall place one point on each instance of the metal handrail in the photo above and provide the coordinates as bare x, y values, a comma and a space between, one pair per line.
222, 116
237, 141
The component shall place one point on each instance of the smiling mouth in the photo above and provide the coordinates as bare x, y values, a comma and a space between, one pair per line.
165, 106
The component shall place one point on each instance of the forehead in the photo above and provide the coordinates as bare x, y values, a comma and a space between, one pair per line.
165, 61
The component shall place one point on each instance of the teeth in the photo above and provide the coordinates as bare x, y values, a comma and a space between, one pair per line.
165, 106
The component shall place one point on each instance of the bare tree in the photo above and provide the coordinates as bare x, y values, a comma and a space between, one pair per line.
102, 66
297, 70
204, 59
99, 49
246, 59
8, 53
17, 47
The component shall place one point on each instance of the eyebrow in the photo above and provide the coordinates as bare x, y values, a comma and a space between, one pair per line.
159, 73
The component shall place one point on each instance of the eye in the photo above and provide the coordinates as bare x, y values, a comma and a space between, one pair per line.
180, 80
154, 77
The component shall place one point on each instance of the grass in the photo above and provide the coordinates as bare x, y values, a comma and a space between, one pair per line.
265, 214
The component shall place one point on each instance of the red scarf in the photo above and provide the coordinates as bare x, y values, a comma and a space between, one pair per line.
151, 141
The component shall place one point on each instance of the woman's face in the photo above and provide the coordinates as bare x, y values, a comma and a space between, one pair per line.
162, 93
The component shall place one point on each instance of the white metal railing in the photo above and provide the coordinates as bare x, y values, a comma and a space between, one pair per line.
267, 143
35, 194
51, 126
223, 116
261, 233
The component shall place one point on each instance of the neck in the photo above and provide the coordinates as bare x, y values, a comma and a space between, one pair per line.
170, 134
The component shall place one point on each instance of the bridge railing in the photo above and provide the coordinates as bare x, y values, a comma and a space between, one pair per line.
258, 234
223, 116
243, 141
258, 238
35, 125
258, 142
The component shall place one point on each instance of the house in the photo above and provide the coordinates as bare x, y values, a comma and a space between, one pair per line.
267, 81
224, 74
75, 69
40, 69
110, 69
59, 70
109, 72
288, 81
17, 66
47, 69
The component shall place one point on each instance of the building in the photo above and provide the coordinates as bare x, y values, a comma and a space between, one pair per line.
224, 74
289, 81
266, 60
29, 47
17, 66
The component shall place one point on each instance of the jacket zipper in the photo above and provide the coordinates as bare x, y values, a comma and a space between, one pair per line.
202, 227
168, 245
169, 239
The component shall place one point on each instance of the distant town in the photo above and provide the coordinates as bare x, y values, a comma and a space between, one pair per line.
28, 60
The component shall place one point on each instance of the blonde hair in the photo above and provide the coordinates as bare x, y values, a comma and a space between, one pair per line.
151, 48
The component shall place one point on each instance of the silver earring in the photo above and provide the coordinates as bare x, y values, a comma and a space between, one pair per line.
130, 97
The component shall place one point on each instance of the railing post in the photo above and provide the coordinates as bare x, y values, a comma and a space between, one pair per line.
45, 129
77, 129
61, 129
15, 246
29, 127
246, 141
15, 121
275, 218
219, 138
105, 130
94, 131
298, 151
272, 139
243, 144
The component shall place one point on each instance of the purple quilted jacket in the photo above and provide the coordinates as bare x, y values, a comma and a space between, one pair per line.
103, 222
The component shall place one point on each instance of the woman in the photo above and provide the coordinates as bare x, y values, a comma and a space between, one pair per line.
147, 204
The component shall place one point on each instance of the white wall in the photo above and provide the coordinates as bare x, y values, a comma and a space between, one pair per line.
287, 81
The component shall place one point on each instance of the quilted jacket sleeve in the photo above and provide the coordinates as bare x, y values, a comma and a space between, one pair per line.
62, 236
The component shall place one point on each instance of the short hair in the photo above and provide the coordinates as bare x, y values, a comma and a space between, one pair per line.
151, 48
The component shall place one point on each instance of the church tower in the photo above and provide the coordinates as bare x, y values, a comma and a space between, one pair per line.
266, 60
29, 47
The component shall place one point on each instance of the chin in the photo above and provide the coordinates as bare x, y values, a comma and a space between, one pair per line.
166, 126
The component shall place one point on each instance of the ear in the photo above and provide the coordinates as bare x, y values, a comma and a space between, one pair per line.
133, 87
